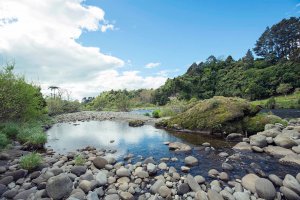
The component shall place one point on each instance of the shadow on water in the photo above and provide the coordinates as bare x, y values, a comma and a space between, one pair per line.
148, 141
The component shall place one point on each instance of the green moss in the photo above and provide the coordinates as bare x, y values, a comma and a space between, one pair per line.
156, 114
257, 123
215, 114
30, 161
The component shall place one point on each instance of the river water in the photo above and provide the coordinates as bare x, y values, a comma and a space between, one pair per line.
148, 141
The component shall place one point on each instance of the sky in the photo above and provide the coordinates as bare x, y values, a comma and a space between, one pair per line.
96, 45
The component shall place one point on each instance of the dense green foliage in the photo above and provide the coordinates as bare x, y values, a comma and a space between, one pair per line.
277, 72
4, 141
31, 161
59, 106
20, 101
121, 100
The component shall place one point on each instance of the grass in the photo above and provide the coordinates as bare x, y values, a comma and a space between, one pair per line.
288, 102
4, 141
79, 160
30, 161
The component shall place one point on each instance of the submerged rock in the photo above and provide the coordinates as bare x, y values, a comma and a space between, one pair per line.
178, 146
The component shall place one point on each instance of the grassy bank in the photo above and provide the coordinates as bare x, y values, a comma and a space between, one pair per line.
291, 101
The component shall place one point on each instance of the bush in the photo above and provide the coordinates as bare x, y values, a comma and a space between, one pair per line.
59, 106
156, 114
4, 141
11, 130
271, 103
30, 161
20, 101
79, 160
33, 136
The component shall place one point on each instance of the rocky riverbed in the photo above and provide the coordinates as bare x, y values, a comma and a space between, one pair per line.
101, 176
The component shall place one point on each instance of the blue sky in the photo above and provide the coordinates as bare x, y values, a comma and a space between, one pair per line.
91, 46
177, 33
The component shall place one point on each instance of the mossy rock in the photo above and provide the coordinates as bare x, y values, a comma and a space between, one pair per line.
257, 123
136, 123
217, 114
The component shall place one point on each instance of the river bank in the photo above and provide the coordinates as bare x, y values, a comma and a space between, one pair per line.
101, 176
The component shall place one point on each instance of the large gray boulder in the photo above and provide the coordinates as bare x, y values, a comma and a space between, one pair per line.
213, 195
265, 189
192, 183
58, 187
155, 187
289, 194
284, 141
291, 182
258, 140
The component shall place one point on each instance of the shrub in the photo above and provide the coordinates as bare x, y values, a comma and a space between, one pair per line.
59, 106
11, 130
20, 101
33, 136
271, 103
156, 114
147, 114
30, 161
79, 160
4, 141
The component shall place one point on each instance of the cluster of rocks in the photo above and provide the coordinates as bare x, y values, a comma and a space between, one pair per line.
102, 177
102, 115
276, 140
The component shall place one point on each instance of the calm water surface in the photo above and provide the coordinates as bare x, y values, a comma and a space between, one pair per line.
148, 141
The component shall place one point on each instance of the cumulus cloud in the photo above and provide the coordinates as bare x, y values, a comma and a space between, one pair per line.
42, 38
152, 65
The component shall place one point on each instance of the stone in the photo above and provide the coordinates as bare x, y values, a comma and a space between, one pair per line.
224, 176
18, 174
275, 179
25, 194
213, 173
10, 193
178, 146
296, 149
289, 194
7, 180
123, 172
265, 189
191, 161
242, 146
201, 195
291, 182
59, 186
78, 170
235, 137
278, 151
258, 140
155, 187
298, 177
101, 177
4, 156
3, 189
227, 166
126, 196
112, 197
85, 185
92, 196
227, 195
100, 162
185, 169
213, 195
257, 149
162, 166
199, 179
284, 141
149, 160
192, 183
248, 182
142, 174
241, 196
270, 133
151, 168
183, 189
291, 159
164, 191
223, 154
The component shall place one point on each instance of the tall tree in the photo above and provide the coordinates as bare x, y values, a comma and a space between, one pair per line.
248, 59
282, 40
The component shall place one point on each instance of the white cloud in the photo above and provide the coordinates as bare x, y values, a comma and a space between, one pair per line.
41, 36
111, 79
152, 65
298, 5
106, 27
